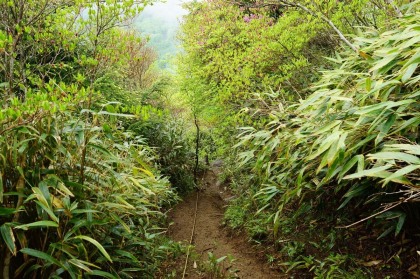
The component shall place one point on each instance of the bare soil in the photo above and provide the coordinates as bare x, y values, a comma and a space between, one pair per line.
211, 236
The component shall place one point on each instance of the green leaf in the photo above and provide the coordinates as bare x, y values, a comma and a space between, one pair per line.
43, 256
48, 210
276, 222
122, 223
246, 156
386, 232
370, 172
8, 237
39, 194
372, 109
101, 149
97, 245
221, 259
328, 127
411, 159
80, 137
409, 72
80, 264
412, 122
116, 114
354, 191
5, 211
127, 255
330, 140
103, 274
360, 163
37, 224
384, 129
349, 165
144, 189
398, 175
383, 62
409, 148
368, 84
400, 224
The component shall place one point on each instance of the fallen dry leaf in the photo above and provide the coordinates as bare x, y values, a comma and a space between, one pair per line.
415, 274
372, 263
413, 267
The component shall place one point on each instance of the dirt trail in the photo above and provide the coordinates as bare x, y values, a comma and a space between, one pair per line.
210, 236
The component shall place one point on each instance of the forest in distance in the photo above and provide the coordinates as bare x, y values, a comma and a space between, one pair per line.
280, 137
159, 24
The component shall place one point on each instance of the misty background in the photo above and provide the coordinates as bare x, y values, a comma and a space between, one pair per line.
160, 22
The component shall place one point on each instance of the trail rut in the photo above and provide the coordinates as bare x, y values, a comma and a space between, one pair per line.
210, 236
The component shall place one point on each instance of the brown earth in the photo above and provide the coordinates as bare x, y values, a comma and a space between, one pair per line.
211, 236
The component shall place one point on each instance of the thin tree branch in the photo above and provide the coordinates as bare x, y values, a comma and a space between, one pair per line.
306, 9
197, 148
413, 196
395, 7
327, 20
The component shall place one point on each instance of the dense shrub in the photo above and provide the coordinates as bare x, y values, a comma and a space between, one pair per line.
170, 141
79, 196
355, 138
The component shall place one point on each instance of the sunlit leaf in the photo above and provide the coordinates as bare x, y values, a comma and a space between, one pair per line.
8, 237
96, 244
37, 225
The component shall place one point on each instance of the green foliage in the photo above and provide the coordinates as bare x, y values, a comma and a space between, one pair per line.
77, 215
88, 150
216, 267
128, 69
345, 153
174, 156
360, 123
261, 53
160, 23
62, 41
236, 214
333, 266
80, 195
235, 51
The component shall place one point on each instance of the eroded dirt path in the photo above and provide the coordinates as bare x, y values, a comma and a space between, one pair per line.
210, 236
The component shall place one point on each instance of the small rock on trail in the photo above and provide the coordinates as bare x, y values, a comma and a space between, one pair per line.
209, 236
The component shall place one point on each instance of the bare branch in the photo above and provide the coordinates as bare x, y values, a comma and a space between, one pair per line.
387, 208
395, 7
324, 18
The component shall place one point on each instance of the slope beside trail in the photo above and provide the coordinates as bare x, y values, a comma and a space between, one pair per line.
210, 236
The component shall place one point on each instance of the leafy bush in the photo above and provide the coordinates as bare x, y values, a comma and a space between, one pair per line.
356, 137
78, 196
174, 156
269, 46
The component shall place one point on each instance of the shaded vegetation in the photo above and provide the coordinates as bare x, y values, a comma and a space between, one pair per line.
81, 193
320, 101
313, 106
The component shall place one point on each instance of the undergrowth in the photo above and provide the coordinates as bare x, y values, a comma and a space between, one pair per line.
347, 152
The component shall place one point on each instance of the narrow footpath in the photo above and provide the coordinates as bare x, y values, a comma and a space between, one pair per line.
210, 236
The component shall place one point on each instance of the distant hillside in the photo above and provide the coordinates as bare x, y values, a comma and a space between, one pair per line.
161, 23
